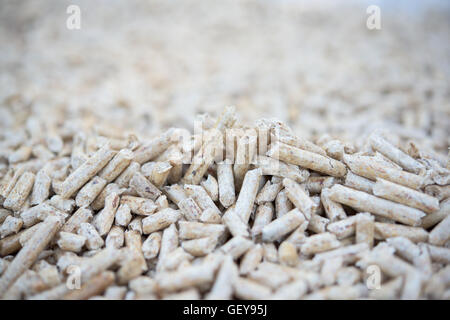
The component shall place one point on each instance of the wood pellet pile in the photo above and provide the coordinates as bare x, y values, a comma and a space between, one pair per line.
124, 176
251, 212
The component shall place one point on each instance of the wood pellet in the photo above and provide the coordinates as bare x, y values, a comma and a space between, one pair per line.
262, 180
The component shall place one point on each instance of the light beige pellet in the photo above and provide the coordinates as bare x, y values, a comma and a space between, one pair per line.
71, 241
95, 286
334, 210
269, 192
437, 216
103, 220
315, 184
404, 195
441, 232
137, 205
191, 211
29, 253
162, 202
270, 252
348, 253
329, 270
365, 229
136, 224
16, 198
201, 197
366, 167
277, 168
225, 180
169, 242
282, 226
319, 243
439, 192
365, 202
93, 239
86, 171
250, 290
65, 205
299, 197
151, 246
41, 188
223, 286
395, 154
175, 193
4, 213
439, 254
124, 178
115, 237
359, 183
318, 224
160, 172
282, 204
263, 216
251, 259
285, 136
160, 220
234, 223
123, 215
195, 230
291, 291
210, 216
307, 159
236, 246
287, 254
74, 222
11, 225
153, 148
388, 230
242, 161
117, 165
389, 290
247, 196
90, 191
188, 277
211, 186
143, 187
199, 247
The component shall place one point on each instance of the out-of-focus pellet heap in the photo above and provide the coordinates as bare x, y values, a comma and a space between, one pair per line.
339, 191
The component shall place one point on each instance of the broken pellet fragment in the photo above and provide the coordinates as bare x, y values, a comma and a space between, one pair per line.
139, 205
